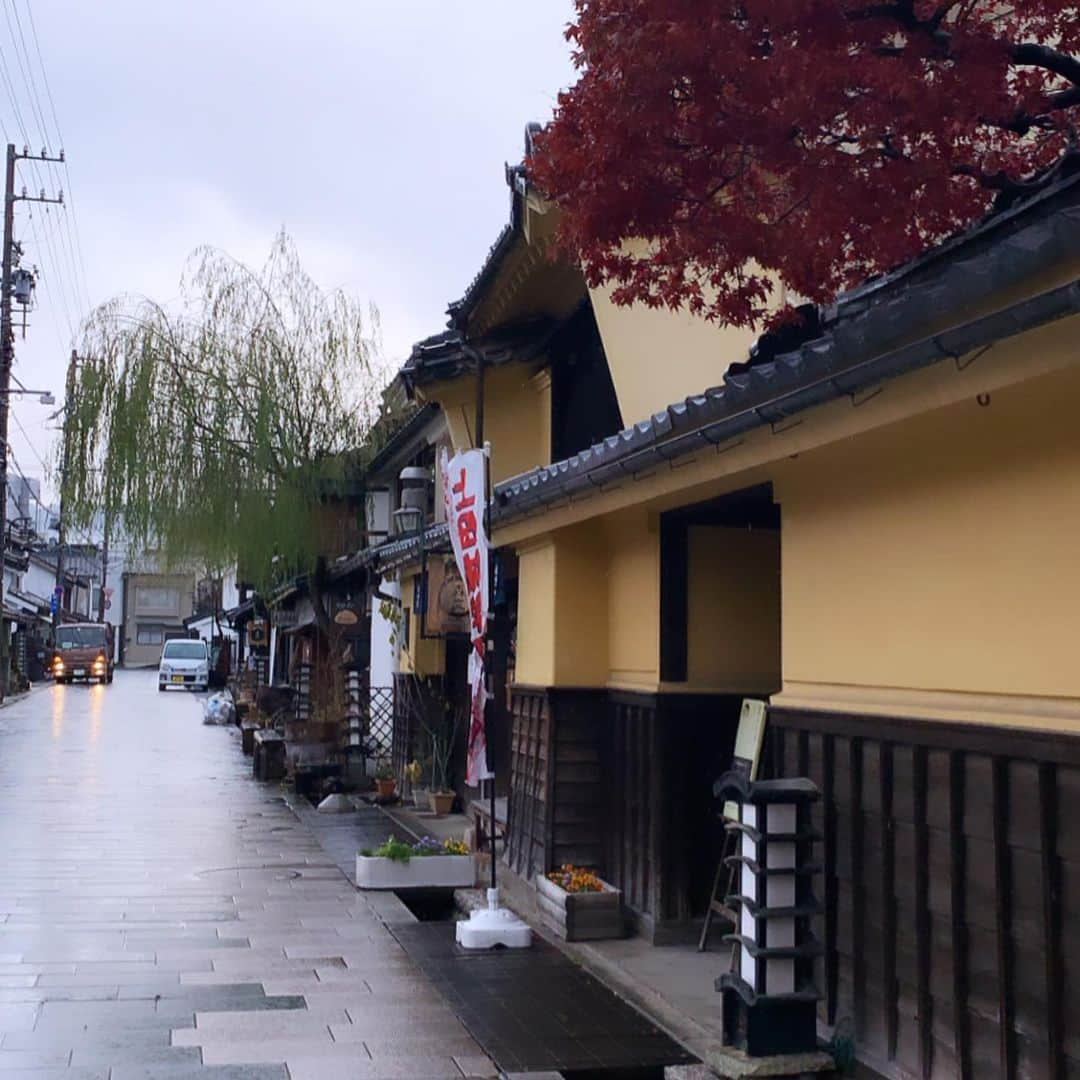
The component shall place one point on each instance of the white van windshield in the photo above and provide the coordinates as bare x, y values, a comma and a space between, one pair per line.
185, 650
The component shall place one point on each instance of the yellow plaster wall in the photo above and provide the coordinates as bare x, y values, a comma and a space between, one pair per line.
940, 553
588, 606
536, 614
517, 416
733, 623
633, 600
659, 356
581, 606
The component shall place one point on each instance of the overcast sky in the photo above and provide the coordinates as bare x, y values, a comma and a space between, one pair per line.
374, 132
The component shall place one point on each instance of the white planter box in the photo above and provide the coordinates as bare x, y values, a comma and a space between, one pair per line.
420, 872
589, 916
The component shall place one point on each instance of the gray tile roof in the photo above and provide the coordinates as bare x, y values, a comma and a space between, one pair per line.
855, 351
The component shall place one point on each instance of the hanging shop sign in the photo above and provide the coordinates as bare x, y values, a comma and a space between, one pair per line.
464, 494
447, 608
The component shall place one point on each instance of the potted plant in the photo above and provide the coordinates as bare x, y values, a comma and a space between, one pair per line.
427, 864
578, 905
385, 781
443, 735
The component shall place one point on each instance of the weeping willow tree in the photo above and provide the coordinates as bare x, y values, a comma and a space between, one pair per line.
215, 429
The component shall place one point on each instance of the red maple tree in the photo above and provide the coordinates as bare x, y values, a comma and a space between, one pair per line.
813, 141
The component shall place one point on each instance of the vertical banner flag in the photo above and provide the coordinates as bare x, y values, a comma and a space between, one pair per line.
464, 493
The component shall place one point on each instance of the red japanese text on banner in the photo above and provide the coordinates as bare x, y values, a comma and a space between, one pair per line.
464, 493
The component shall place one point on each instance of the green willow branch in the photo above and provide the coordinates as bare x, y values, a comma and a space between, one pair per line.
215, 429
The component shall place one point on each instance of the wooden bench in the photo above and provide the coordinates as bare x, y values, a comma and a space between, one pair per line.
480, 812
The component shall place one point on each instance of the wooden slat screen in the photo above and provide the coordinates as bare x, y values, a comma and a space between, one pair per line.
528, 827
950, 873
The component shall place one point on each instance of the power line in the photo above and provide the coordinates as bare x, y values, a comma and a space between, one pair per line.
28, 76
63, 308
41, 64
60, 140
33, 494
81, 532
78, 283
9, 86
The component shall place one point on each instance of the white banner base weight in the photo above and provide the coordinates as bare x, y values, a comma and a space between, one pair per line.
488, 927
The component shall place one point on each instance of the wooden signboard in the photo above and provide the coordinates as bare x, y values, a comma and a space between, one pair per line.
748, 742
447, 608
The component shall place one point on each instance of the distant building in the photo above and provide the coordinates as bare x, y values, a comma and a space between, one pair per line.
213, 597
153, 609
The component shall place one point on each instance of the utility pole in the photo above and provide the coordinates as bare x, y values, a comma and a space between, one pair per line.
61, 530
104, 569
7, 358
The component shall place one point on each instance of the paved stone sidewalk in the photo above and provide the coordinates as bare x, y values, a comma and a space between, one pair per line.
163, 916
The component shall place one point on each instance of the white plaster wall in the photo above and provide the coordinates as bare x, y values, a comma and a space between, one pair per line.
378, 513
39, 581
230, 594
384, 649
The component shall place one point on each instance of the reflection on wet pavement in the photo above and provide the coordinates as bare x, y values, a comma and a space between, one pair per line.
163, 915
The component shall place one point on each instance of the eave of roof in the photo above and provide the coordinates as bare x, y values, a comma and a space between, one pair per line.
288, 591
403, 550
345, 566
460, 310
404, 435
240, 611
854, 352
449, 354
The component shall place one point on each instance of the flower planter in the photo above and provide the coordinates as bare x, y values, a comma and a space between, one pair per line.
585, 916
441, 802
386, 788
420, 872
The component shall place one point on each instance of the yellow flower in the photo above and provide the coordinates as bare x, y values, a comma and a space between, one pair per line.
575, 879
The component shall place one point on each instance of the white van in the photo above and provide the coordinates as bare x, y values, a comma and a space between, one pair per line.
184, 662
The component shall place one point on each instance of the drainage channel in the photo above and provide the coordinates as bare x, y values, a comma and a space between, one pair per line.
429, 905
533, 1011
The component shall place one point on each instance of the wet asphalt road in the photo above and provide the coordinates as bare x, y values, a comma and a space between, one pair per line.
162, 915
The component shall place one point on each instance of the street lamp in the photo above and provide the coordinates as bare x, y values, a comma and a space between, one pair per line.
409, 517
45, 397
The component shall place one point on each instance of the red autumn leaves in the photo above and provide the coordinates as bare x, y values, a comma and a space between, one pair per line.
814, 141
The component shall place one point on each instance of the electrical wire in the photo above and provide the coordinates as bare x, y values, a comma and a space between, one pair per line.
28, 76
69, 188
60, 252
84, 533
26, 70
45, 279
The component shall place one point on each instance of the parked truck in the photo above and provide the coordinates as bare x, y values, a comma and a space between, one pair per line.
83, 651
